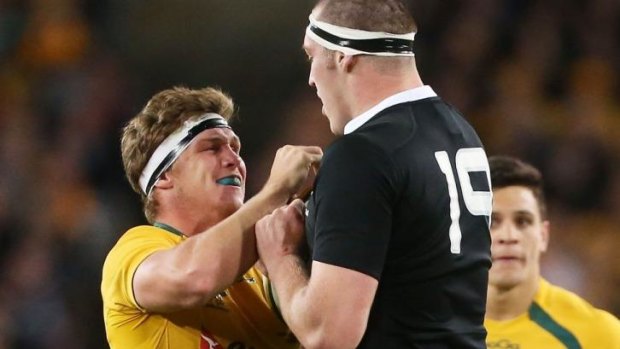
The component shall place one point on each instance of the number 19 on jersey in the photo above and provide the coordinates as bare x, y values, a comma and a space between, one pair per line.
478, 203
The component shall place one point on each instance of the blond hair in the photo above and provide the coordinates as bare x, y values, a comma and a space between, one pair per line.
164, 113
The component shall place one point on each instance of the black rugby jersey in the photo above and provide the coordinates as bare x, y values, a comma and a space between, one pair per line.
405, 198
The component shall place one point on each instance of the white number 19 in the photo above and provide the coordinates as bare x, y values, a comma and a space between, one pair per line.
478, 203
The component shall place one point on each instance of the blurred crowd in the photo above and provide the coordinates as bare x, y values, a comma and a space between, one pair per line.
538, 79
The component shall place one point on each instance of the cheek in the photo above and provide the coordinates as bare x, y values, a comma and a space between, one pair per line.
243, 170
494, 237
534, 243
210, 164
540, 245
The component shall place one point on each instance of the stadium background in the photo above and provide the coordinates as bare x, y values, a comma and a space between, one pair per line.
539, 79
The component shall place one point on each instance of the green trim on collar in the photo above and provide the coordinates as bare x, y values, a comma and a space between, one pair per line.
168, 228
542, 319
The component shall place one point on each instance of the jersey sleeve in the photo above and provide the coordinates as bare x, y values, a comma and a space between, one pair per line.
123, 261
353, 194
609, 330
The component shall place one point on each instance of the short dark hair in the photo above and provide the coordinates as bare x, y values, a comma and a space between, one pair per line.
509, 171
390, 16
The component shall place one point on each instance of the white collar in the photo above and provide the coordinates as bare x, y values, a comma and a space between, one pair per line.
411, 95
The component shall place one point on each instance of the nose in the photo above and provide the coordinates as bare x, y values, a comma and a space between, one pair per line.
506, 234
311, 79
231, 158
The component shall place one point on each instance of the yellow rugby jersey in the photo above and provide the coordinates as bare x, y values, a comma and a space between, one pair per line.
241, 317
556, 319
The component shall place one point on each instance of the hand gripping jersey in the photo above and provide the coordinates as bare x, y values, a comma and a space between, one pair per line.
557, 319
405, 198
240, 317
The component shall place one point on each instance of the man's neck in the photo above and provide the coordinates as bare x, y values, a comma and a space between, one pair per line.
373, 89
509, 303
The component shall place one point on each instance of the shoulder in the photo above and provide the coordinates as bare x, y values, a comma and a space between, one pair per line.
359, 149
391, 128
133, 247
147, 233
578, 314
558, 298
357, 141
143, 234
356, 156
138, 242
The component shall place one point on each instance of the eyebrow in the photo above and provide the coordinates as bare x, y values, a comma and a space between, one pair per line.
524, 212
518, 212
220, 139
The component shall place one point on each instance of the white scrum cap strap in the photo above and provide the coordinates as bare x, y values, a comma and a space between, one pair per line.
170, 149
357, 42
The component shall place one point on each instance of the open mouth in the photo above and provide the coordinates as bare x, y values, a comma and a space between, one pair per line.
232, 180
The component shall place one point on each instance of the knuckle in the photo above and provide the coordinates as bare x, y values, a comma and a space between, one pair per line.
260, 225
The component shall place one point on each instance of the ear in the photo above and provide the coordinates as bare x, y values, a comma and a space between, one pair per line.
544, 236
346, 62
165, 181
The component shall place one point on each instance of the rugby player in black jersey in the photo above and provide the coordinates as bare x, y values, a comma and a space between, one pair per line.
398, 223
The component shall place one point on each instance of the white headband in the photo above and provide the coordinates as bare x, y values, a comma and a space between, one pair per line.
171, 148
350, 36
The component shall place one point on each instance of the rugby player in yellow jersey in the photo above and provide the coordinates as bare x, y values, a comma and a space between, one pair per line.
186, 281
524, 311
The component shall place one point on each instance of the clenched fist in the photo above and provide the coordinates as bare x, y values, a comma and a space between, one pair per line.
281, 233
291, 167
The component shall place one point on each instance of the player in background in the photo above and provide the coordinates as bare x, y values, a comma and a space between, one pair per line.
523, 309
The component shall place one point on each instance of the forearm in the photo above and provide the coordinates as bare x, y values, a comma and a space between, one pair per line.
204, 265
226, 251
328, 309
290, 278
232, 243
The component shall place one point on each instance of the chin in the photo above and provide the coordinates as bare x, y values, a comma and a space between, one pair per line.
338, 131
236, 204
233, 204
505, 281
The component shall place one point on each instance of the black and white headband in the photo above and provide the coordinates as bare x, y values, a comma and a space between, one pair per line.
171, 148
360, 42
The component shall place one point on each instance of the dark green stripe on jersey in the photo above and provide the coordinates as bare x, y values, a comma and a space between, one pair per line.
540, 317
168, 228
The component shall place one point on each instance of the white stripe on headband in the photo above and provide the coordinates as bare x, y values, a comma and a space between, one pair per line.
172, 147
354, 34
